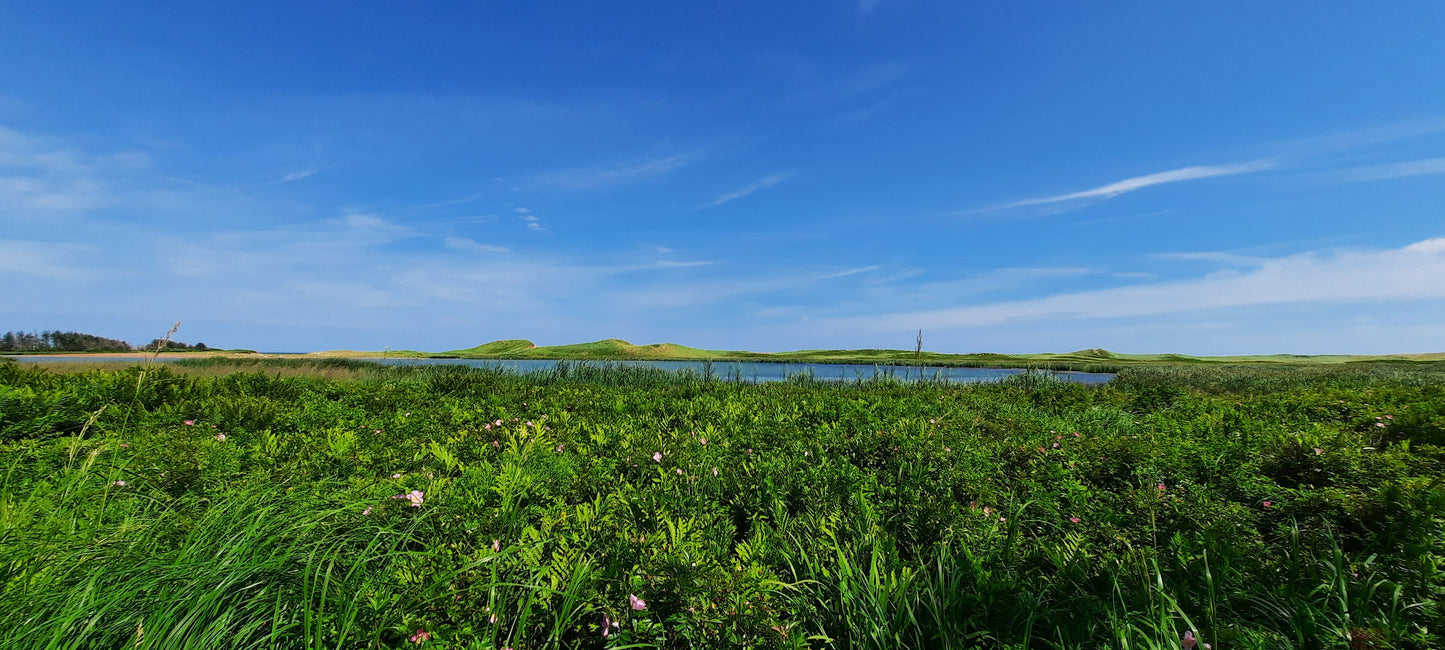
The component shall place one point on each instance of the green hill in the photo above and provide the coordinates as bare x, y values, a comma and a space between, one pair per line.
503, 347
1091, 359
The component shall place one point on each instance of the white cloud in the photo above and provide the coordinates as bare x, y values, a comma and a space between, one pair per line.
740, 193
471, 246
1216, 257
58, 261
610, 176
1411, 273
533, 223
298, 175
1397, 170
1140, 182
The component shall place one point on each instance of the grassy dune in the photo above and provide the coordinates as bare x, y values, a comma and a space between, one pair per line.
1090, 359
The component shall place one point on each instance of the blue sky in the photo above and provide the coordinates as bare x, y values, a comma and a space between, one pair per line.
1234, 178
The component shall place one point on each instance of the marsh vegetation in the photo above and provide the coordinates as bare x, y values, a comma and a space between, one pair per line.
341, 504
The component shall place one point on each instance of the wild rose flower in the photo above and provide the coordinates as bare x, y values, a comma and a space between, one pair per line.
638, 604
421, 636
415, 497
221, 437
679, 471
1380, 424
656, 456
190, 423
1269, 504
702, 440
1073, 520
1161, 487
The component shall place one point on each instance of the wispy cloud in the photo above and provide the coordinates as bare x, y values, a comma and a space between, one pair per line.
1397, 170
1149, 180
749, 189
866, 6
467, 245
1217, 257
1404, 274
615, 175
298, 175
59, 261
847, 272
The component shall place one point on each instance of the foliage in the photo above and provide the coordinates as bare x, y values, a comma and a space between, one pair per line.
1260, 509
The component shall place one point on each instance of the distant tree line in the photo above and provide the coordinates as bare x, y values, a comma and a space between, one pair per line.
59, 342
79, 342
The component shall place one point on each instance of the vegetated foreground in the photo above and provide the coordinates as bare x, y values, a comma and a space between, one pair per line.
448, 507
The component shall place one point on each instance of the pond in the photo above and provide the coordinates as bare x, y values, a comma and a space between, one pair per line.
748, 371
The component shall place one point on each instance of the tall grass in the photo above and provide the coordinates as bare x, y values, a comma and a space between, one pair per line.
1296, 511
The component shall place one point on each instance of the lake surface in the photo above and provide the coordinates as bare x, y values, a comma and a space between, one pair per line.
749, 371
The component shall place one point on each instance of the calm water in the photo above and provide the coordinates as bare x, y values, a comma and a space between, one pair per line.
752, 371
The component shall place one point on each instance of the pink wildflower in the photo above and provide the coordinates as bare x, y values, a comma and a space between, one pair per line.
1073, 520
496, 546
124, 446
190, 423
119, 483
397, 475
1389, 417
1056, 445
560, 448
932, 421
1161, 487
638, 604
702, 440
421, 636
656, 456
1380, 424
679, 471
1078, 435
221, 437
1188, 641
714, 471
378, 430
415, 497
1269, 504
1319, 451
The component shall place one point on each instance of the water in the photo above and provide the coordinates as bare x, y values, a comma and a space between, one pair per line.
750, 371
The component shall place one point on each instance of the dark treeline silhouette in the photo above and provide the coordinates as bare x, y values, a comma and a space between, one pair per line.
173, 345
59, 342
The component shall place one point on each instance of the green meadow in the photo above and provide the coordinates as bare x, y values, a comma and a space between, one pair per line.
331, 503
